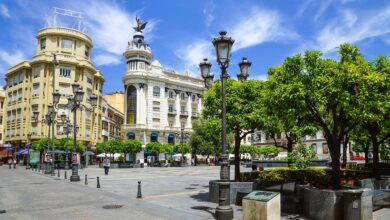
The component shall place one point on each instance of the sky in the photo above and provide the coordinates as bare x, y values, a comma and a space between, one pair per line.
180, 32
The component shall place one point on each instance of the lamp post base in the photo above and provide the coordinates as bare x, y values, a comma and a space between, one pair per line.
47, 168
75, 176
224, 213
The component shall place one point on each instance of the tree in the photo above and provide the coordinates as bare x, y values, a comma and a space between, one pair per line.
328, 90
113, 146
183, 149
130, 147
167, 149
301, 157
40, 144
154, 148
242, 115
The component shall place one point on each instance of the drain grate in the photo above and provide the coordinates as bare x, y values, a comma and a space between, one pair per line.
112, 206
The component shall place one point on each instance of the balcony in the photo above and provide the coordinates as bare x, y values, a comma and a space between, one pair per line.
172, 112
183, 113
195, 115
105, 133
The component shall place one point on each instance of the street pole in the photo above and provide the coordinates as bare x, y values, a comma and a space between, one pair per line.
75, 177
48, 168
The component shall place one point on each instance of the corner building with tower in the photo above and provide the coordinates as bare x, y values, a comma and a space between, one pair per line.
158, 104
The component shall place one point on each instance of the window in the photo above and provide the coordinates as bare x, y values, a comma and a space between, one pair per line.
1, 119
66, 43
183, 96
153, 137
170, 108
325, 149
89, 80
314, 148
131, 105
183, 109
1, 105
86, 51
65, 72
171, 95
156, 91
43, 43
156, 108
194, 98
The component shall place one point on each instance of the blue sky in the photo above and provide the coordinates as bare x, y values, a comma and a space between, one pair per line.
180, 32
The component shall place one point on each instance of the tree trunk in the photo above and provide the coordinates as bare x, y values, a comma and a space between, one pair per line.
375, 159
289, 145
345, 144
237, 143
334, 148
366, 153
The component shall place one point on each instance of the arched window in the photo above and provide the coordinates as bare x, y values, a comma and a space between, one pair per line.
171, 95
194, 98
156, 91
131, 105
182, 96
314, 148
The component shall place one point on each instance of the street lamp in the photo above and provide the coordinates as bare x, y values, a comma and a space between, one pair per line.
74, 103
244, 69
47, 120
183, 135
205, 67
223, 46
28, 155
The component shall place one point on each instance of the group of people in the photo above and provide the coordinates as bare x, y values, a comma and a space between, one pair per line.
12, 161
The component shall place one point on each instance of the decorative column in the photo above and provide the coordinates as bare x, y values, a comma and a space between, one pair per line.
141, 108
189, 110
178, 109
164, 109
199, 104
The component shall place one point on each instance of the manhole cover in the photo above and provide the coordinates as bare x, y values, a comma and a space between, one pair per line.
36, 183
190, 188
112, 206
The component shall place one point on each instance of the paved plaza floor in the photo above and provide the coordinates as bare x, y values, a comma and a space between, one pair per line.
168, 193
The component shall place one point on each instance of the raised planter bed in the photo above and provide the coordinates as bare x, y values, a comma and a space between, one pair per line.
282, 163
237, 191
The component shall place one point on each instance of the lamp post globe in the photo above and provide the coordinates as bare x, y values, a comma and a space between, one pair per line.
208, 78
75, 87
93, 99
50, 108
244, 69
79, 95
223, 47
56, 97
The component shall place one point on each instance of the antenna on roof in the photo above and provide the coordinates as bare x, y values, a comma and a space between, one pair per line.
74, 15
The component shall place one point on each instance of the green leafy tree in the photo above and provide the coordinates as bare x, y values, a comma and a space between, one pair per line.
40, 144
268, 150
167, 149
101, 147
329, 91
183, 149
155, 148
130, 147
242, 115
301, 157
113, 146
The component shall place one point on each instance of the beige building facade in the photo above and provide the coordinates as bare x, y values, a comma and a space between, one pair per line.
112, 121
2, 100
116, 100
29, 88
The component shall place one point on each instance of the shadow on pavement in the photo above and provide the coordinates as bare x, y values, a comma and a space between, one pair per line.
201, 197
204, 208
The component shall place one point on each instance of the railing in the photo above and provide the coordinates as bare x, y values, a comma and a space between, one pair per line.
195, 115
172, 112
184, 113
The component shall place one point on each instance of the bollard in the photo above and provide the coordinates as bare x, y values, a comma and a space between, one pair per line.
9, 166
86, 180
65, 175
58, 173
98, 182
139, 195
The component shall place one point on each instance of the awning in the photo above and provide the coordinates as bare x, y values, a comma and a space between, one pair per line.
171, 136
27, 146
90, 153
23, 151
9, 148
131, 134
153, 135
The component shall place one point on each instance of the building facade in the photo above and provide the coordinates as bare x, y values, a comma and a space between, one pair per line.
29, 88
158, 104
116, 100
112, 122
2, 102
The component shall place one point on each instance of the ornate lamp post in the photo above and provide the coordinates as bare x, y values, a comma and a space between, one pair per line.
74, 103
223, 46
183, 135
28, 155
67, 130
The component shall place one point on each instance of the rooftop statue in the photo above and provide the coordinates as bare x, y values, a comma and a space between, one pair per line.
140, 25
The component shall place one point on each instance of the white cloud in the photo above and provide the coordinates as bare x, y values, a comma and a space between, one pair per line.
11, 58
106, 59
258, 27
351, 27
194, 53
208, 12
110, 25
323, 6
4, 11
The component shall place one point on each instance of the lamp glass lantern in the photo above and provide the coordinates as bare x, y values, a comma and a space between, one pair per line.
244, 69
63, 117
56, 97
50, 108
223, 46
35, 115
205, 67
93, 99
75, 87
48, 118
79, 95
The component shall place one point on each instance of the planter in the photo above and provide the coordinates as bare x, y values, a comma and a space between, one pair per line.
237, 191
324, 204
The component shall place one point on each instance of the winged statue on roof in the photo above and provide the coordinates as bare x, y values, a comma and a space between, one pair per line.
140, 26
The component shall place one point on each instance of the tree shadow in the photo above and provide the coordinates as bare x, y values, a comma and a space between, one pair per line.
204, 208
201, 197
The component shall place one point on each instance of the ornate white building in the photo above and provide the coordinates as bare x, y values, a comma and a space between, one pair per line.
158, 104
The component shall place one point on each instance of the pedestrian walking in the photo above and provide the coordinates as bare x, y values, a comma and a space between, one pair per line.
14, 163
106, 165
10, 162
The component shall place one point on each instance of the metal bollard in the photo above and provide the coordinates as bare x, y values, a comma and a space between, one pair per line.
58, 173
98, 182
65, 175
139, 195
86, 180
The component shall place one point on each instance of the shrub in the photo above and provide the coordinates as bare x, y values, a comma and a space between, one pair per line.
301, 157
